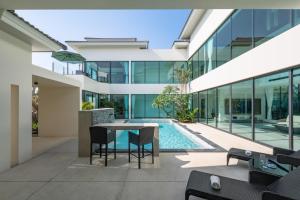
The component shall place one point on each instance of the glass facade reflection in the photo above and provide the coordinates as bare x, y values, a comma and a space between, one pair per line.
223, 117
296, 109
96, 99
243, 30
212, 108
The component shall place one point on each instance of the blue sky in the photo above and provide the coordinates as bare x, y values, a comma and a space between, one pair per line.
160, 27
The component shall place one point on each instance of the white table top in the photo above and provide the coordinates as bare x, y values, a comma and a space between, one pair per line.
124, 126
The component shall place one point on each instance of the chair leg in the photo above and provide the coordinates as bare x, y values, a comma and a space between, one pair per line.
100, 150
129, 151
152, 153
143, 150
106, 154
115, 148
91, 153
139, 155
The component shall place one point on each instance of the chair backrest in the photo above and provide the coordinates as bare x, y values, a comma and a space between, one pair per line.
98, 134
146, 135
288, 186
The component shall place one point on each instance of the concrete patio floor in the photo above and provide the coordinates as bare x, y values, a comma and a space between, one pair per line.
60, 174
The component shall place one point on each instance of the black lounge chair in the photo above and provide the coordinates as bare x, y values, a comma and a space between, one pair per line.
283, 156
264, 187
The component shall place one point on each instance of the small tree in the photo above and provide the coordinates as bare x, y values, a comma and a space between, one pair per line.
87, 106
183, 76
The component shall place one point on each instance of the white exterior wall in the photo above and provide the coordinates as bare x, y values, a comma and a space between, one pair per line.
276, 54
15, 68
210, 22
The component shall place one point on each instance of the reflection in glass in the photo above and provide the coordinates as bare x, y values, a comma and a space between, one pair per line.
242, 27
138, 72
120, 102
166, 72
203, 106
241, 104
224, 43
195, 104
212, 107
271, 110
195, 66
119, 72
201, 61
296, 108
210, 54
152, 72
296, 14
270, 23
223, 117
137, 105
150, 112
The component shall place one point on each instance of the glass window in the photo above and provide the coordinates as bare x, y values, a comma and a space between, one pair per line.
103, 100
119, 72
91, 69
270, 23
242, 30
195, 103
150, 112
241, 105
296, 14
179, 65
201, 61
120, 103
152, 72
212, 107
223, 116
203, 106
138, 105
103, 71
210, 54
195, 66
138, 72
223, 44
271, 110
296, 108
166, 72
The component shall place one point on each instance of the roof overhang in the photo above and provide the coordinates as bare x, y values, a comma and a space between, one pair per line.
191, 23
115, 43
181, 44
146, 4
19, 28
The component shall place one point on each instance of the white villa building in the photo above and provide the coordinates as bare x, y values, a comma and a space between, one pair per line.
245, 78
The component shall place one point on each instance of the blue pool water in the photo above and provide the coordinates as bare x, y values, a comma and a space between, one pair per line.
170, 138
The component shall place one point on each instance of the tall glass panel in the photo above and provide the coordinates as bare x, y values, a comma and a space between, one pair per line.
242, 30
91, 69
210, 53
103, 71
271, 110
224, 43
179, 65
166, 72
138, 105
241, 106
120, 102
103, 100
203, 106
138, 72
223, 116
270, 23
195, 65
296, 108
150, 112
296, 14
152, 72
212, 107
195, 103
201, 61
119, 72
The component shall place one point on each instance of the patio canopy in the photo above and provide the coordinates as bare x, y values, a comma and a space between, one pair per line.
67, 56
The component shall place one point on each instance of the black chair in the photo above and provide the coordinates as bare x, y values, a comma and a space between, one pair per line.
101, 136
144, 137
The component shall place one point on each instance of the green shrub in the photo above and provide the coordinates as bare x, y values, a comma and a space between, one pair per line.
87, 106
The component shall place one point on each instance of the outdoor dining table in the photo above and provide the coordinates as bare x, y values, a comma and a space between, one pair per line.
135, 126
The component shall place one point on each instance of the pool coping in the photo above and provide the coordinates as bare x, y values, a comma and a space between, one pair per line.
216, 148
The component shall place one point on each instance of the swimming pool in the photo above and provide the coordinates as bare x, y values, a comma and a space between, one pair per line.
171, 137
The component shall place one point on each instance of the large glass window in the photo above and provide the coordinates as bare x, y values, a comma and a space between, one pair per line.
195, 103
241, 106
210, 54
270, 23
166, 74
152, 72
120, 103
137, 106
271, 110
202, 69
138, 72
195, 65
224, 43
103, 72
223, 116
91, 69
203, 106
296, 14
150, 112
242, 30
179, 65
119, 72
296, 108
212, 107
